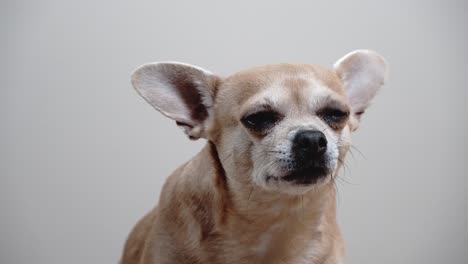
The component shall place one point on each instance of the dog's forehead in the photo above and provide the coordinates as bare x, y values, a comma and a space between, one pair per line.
287, 78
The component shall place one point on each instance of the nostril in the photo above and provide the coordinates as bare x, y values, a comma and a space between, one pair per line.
322, 143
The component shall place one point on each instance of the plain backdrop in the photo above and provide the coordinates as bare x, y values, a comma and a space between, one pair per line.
83, 157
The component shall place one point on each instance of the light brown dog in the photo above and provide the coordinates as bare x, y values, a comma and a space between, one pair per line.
261, 190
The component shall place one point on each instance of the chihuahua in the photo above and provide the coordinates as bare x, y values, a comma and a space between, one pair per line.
262, 189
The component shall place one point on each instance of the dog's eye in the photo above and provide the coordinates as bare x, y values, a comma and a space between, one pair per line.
333, 116
261, 121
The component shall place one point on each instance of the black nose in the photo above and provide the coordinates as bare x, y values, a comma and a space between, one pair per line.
309, 144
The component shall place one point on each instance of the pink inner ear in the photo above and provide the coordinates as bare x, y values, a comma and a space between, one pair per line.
179, 91
173, 89
361, 92
189, 92
363, 72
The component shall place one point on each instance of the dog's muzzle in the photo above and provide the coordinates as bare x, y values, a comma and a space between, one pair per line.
309, 149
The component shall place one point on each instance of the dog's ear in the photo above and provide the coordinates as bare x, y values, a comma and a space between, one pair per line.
182, 92
362, 72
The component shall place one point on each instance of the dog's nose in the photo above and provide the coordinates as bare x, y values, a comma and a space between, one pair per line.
309, 144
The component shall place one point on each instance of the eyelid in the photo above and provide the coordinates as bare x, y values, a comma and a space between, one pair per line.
263, 121
331, 102
329, 109
257, 109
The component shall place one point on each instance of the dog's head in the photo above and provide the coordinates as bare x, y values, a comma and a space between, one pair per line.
281, 127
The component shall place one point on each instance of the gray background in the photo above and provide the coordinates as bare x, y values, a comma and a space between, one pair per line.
82, 156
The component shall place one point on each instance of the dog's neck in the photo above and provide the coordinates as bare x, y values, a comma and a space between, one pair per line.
252, 202
247, 209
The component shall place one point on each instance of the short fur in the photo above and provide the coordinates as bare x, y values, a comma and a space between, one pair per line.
229, 204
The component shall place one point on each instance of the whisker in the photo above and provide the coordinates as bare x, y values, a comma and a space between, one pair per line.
355, 148
345, 169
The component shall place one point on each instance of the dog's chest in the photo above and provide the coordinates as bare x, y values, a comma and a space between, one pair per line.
265, 241
274, 245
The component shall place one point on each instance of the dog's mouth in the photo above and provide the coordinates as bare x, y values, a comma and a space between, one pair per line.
306, 176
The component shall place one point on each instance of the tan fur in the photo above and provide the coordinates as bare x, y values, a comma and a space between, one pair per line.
230, 231
211, 211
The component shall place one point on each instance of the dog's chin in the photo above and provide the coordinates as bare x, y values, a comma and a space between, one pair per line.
306, 176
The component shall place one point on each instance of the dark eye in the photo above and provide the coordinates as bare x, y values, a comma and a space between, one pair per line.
261, 121
333, 116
